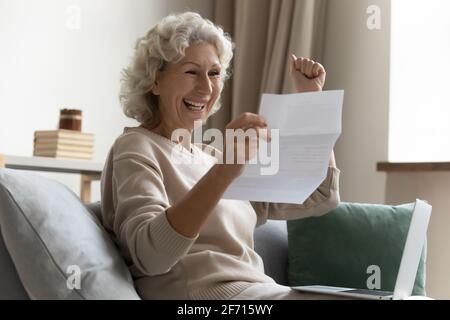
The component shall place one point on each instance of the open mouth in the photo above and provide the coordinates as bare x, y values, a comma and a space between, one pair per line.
194, 106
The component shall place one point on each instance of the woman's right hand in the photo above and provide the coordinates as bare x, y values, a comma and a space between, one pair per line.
241, 141
201, 200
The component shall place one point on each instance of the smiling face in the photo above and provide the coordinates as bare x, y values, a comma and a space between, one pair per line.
188, 89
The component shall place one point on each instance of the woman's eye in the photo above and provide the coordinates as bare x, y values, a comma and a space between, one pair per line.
210, 74
214, 74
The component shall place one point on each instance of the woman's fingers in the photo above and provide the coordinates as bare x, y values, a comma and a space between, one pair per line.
265, 134
293, 64
307, 67
304, 64
246, 142
294, 60
317, 69
252, 121
247, 120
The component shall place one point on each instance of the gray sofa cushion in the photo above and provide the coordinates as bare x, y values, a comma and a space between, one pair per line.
11, 288
47, 230
272, 245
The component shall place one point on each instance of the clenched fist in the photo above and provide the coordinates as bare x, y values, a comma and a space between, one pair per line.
307, 74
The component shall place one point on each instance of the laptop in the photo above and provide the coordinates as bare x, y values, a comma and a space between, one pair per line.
408, 266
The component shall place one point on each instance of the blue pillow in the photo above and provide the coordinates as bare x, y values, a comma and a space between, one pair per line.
349, 245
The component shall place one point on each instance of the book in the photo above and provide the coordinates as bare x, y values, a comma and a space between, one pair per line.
62, 133
63, 154
59, 147
63, 142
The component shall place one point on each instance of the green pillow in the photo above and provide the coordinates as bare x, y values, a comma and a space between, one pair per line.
338, 248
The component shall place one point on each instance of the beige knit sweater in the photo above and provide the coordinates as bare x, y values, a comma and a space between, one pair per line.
140, 182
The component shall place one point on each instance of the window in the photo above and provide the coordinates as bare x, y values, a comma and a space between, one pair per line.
419, 120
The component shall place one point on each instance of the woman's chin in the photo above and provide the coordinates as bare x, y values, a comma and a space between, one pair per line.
197, 115
197, 123
195, 118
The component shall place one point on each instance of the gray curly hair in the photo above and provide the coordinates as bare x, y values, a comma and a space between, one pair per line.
166, 42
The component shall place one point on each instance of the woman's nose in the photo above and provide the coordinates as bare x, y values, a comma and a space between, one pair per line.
204, 85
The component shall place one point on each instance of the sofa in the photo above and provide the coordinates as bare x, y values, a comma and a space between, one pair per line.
270, 239
52, 246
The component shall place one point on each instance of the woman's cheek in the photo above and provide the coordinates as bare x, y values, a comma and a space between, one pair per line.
219, 86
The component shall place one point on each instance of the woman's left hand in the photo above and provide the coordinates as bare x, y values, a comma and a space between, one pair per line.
307, 74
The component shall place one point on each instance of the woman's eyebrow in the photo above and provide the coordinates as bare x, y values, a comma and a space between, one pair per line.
198, 65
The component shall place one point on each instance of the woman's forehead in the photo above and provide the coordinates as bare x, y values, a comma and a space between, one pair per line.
201, 54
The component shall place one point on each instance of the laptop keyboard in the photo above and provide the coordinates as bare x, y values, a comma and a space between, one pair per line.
370, 292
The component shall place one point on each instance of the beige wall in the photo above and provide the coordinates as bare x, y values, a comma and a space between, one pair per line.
357, 60
71, 68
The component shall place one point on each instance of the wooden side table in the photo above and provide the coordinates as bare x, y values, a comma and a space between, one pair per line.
89, 170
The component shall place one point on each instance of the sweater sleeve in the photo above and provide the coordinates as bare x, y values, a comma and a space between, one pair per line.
322, 200
140, 223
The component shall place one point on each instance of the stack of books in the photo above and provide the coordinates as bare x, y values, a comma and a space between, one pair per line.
64, 144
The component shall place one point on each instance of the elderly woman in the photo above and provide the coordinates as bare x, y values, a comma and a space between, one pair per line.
179, 238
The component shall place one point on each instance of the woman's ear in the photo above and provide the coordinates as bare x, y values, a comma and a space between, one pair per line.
155, 88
